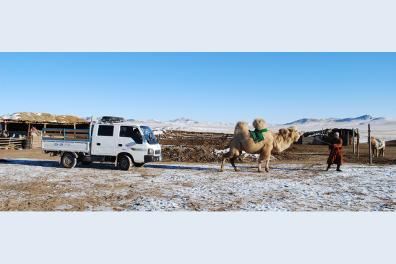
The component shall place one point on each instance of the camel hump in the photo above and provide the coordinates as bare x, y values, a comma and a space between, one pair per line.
259, 124
241, 128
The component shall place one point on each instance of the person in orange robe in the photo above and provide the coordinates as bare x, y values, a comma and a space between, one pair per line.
336, 152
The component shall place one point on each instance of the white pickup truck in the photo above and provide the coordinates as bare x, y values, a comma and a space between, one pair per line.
122, 143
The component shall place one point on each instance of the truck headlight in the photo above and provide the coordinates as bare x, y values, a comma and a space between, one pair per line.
150, 152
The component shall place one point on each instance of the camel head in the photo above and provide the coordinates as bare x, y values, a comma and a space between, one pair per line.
290, 134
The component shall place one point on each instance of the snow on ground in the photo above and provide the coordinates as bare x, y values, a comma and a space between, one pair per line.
42, 185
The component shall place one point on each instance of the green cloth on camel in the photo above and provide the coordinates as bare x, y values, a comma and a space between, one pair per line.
258, 135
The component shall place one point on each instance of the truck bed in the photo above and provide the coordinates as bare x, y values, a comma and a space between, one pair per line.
66, 140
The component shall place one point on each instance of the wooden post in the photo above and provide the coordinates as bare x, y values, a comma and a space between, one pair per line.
358, 143
353, 141
348, 138
369, 142
29, 138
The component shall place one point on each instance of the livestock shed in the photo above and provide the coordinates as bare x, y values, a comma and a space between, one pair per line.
24, 128
323, 137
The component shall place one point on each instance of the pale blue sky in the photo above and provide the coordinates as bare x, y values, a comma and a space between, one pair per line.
281, 87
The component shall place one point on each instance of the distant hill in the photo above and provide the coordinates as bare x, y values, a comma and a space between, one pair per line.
382, 127
360, 119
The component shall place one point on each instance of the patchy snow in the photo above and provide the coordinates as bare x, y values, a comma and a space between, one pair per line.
42, 185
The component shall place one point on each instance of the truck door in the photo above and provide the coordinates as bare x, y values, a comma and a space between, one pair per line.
130, 140
103, 143
129, 137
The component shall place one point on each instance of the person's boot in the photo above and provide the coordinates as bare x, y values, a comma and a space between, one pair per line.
339, 168
328, 167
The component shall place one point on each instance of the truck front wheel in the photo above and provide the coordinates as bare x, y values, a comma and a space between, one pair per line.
124, 163
68, 161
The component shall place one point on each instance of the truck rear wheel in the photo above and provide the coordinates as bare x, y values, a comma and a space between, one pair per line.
68, 161
124, 163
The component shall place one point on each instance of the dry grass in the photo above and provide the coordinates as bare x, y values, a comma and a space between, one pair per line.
45, 118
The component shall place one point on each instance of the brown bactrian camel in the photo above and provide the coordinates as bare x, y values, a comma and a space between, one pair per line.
377, 146
243, 141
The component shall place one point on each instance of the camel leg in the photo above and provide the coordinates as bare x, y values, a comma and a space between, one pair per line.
233, 154
260, 162
222, 164
267, 162
265, 155
225, 156
232, 160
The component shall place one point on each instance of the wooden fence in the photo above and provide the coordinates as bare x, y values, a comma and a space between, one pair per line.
12, 143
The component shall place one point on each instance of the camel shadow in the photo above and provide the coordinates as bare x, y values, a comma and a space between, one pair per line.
295, 169
179, 167
248, 168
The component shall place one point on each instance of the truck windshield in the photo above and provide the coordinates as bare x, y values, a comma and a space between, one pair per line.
149, 135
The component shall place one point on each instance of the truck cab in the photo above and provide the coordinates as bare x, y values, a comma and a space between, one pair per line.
122, 143
138, 142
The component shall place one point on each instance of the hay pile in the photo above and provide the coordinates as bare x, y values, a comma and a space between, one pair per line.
43, 118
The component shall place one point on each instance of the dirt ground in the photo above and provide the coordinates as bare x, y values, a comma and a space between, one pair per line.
188, 180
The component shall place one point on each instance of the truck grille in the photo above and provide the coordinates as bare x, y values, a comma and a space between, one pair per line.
158, 152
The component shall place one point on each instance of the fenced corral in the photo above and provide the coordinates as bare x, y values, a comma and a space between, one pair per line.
12, 143
377, 142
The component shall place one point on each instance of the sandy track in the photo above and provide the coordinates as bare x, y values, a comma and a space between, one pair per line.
37, 185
